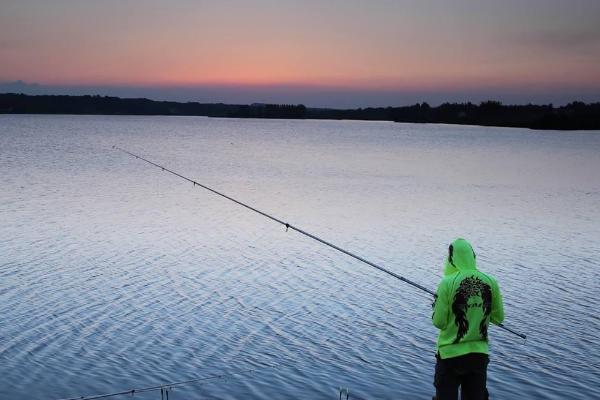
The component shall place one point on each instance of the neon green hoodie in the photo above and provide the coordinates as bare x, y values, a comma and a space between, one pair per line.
466, 301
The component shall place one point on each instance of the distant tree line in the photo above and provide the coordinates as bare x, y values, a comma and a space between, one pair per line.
576, 115
49, 104
270, 111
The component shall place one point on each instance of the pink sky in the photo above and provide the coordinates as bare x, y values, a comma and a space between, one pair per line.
378, 45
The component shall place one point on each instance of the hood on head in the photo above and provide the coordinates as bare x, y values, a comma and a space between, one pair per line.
461, 257
449, 269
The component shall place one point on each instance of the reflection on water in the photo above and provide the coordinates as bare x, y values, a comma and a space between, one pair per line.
116, 275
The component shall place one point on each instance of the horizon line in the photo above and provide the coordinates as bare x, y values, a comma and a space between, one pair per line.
317, 96
257, 103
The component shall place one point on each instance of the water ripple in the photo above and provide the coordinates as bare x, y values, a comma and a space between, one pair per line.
114, 275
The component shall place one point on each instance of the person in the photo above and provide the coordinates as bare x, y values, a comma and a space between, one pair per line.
467, 300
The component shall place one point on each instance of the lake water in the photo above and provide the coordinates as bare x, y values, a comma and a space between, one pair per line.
116, 275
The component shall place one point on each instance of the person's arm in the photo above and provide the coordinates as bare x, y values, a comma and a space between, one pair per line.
497, 314
440, 307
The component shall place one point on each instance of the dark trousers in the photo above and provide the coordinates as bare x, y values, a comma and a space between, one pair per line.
469, 372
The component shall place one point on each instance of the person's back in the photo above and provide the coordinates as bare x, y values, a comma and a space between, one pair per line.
466, 301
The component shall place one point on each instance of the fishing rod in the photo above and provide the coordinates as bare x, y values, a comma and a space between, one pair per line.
301, 231
166, 387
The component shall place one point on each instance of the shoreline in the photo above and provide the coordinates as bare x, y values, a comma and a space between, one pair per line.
576, 116
309, 119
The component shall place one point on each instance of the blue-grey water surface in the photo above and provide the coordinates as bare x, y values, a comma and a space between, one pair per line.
116, 275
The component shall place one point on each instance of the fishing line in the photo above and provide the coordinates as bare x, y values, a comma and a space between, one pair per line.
301, 231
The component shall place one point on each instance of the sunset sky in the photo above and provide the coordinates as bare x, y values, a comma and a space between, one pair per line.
321, 53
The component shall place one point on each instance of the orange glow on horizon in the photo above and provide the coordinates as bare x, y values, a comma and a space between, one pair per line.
348, 45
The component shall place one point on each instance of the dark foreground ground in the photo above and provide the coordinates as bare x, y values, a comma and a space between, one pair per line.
576, 115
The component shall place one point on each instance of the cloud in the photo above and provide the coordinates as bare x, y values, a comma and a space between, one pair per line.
573, 40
